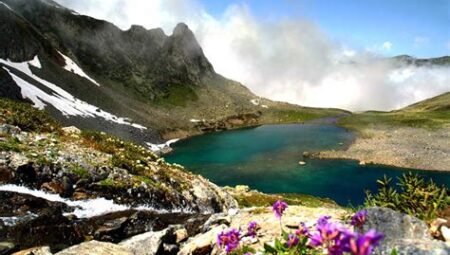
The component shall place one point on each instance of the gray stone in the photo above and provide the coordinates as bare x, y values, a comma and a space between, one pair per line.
148, 243
43, 250
9, 129
407, 234
202, 243
216, 219
96, 248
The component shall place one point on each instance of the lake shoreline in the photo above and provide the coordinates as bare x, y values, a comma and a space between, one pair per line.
399, 147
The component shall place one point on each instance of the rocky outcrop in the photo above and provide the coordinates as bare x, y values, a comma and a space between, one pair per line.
406, 234
95, 248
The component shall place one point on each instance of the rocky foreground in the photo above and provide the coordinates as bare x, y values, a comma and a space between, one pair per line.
399, 146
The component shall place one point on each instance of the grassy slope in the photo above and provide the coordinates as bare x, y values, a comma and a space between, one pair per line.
431, 114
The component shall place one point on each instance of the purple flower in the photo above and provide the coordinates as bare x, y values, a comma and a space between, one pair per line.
248, 253
229, 240
363, 244
278, 208
359, 219
292, 240
323, 220
302, 230
252, 228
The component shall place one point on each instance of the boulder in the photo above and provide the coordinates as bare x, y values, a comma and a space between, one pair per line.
96, 248
405, 233
6, 247
43, 250
149, 243
9, 129
72, 130
202, 243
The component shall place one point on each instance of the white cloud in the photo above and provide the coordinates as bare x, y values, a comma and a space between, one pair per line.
387, 45
287, 60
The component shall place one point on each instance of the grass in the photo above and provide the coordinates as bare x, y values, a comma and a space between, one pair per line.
26, 117
11, 144
428, 120
80, 172
178, 95
254, 199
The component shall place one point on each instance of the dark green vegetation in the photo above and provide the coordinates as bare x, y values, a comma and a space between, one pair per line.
256, 199
431, 114
412, 195
26, 117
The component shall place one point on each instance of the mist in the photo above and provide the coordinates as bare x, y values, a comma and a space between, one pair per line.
290, 60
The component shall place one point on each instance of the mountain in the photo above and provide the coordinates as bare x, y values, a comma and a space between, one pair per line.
435, 104
408, 60
138, 84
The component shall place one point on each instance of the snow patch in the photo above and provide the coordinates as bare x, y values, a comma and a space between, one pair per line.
196, 120
264, 106
7, 6
83, 208
159, 147
67, 104
255, 101
71, 66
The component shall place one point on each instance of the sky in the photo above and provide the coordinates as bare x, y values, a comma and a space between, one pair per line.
308, 52
416, 27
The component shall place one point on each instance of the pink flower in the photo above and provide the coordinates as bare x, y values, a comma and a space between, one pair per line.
278, 208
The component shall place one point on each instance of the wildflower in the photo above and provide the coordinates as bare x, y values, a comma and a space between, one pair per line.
278, 208
229, 240
302, 230
251, 229
292, 241
359, 219
323, 220
363, 244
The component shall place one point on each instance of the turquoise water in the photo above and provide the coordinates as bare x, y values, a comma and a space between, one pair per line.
266, 158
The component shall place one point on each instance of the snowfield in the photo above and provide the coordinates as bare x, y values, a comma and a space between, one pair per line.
67, 104
71, 66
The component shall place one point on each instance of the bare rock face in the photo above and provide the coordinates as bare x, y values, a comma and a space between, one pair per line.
406, 234
95, 248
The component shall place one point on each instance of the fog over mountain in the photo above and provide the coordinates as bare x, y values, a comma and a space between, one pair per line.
289, 60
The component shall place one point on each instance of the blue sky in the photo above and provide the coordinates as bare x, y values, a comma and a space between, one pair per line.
416, 27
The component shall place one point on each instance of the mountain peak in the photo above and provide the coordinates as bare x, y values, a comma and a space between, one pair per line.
181, 29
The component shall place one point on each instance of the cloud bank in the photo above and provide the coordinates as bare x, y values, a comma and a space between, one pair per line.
285, 60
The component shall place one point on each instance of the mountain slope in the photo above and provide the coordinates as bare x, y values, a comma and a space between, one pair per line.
438, 103
138, 84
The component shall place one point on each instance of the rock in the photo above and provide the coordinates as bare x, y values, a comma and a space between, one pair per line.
216, 219
149, 243
362, 163
445, 231
436, 228
202, 243
6, 174
9, 129
43, 250
96, 248
181, 235
108, 229
72, 130
53, 187
242, 188
405, 233
306, 154
302, 163
6, 247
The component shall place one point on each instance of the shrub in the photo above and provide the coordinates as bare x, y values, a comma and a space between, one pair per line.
413, 195
26, 117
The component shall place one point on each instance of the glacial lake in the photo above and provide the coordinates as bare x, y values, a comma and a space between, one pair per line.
266, 158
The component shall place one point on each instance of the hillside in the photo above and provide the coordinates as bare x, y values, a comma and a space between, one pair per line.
138, 84
416, 136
